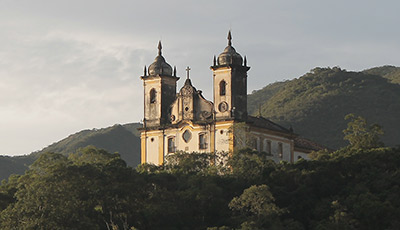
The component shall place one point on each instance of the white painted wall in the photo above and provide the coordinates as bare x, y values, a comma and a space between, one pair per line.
298, 154
275, 140
152, 150
192, 145
222, 139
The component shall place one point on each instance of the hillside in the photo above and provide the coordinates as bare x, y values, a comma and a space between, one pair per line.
390, 72
258, 97
123, 139
353, 188
316, 103
14, 165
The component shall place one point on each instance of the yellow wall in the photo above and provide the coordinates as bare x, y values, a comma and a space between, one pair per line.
219, 139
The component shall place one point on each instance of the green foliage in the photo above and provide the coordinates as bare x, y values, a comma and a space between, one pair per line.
340, 219
61, 193
92, 189
315, 104
14, 165
258, 97
188, 162
123, 139
256, 206
392, 73
360, 135
250, 165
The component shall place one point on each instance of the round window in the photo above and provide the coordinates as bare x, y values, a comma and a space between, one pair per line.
223, 106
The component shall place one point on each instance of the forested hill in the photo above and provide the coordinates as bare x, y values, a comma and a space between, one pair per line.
390, 72
316, 103
123, 139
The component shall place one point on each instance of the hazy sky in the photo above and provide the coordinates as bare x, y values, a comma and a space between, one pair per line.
72, 65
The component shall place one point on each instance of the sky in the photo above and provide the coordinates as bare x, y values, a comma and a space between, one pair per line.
71, 65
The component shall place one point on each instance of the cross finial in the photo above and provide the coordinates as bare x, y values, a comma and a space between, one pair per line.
159, 48
187, 72
229, 38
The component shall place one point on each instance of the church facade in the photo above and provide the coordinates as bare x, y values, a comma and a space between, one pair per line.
186, 121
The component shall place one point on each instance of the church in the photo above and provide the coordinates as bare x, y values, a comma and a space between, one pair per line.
186, 121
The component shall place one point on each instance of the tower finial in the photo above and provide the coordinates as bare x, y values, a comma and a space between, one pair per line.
145, 71
187, 72
215, 61
229, 38
159, 48
245, 61
174, 71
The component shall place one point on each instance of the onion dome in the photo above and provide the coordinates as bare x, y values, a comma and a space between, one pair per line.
160, 66
230, 56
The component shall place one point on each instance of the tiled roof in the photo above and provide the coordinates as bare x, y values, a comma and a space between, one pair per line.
266, 124
299, 142
303, 143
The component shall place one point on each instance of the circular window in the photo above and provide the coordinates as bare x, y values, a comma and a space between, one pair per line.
221, 132
187, 135
223, 106
186, 109
152, 139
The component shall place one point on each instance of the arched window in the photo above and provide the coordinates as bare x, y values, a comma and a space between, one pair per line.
202, 141
171, 144
222, 88
280, 150
268, 147
153, 96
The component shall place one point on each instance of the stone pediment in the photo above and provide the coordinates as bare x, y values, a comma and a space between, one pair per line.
190, 105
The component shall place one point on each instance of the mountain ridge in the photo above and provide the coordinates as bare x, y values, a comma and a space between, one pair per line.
314, 105
121, 139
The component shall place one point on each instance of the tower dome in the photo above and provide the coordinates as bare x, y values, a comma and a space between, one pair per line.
160, 66
229, 56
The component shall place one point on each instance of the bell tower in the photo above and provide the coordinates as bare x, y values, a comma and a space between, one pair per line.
159, 83
230, 84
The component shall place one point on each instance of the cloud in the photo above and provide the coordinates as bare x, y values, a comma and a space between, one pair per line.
70, 65
59, 80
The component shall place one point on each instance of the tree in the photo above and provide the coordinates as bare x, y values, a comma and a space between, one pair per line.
257, 208
188, 162
250, 165
360, 135
91, 190
341, 219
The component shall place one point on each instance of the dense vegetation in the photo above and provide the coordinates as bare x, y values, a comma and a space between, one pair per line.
356, 187
258, 97
123, 139
390, 72
14, 165
315, 104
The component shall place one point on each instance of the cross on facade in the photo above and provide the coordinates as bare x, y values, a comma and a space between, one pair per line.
187, 72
